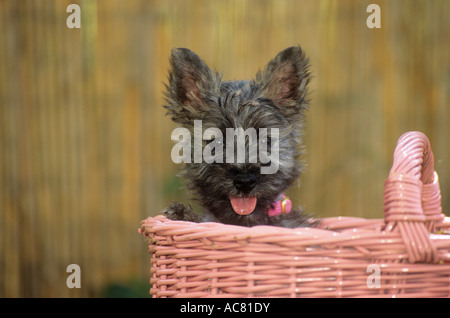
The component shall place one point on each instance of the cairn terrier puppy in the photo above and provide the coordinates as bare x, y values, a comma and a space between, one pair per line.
270, 109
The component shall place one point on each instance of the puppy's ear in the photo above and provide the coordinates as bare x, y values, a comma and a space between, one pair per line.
285, 81
191, 83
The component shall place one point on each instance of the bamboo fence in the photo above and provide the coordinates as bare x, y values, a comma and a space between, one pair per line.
85, 144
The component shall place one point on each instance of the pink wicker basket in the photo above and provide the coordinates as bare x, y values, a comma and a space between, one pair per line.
405, 255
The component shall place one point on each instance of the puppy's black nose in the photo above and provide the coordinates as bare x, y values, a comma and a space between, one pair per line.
245, 182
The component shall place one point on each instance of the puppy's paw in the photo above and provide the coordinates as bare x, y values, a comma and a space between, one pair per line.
178, 211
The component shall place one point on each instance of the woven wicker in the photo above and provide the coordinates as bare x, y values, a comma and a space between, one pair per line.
405, 255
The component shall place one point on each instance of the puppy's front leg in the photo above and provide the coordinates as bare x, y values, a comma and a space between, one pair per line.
179, 211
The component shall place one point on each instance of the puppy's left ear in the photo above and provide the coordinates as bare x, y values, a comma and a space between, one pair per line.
285, 81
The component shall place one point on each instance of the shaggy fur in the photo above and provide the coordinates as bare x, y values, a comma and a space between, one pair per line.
276, 98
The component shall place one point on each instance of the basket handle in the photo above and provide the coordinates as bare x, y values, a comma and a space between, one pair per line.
412, 198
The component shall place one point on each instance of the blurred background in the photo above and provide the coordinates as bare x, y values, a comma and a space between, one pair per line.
85, 143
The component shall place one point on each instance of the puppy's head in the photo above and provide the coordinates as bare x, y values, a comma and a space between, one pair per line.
249, 132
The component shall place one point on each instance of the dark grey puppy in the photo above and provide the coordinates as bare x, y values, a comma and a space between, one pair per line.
233, 191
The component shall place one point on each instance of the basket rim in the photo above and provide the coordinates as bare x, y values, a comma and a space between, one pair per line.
371, 231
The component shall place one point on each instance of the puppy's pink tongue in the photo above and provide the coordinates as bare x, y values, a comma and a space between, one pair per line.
243, 206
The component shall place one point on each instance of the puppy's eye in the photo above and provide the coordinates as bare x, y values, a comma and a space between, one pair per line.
216, 140
208, 140
267, 141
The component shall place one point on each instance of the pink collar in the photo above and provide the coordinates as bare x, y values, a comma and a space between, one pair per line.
281, 205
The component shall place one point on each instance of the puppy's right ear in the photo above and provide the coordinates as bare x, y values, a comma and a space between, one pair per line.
191, 82
285, 81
